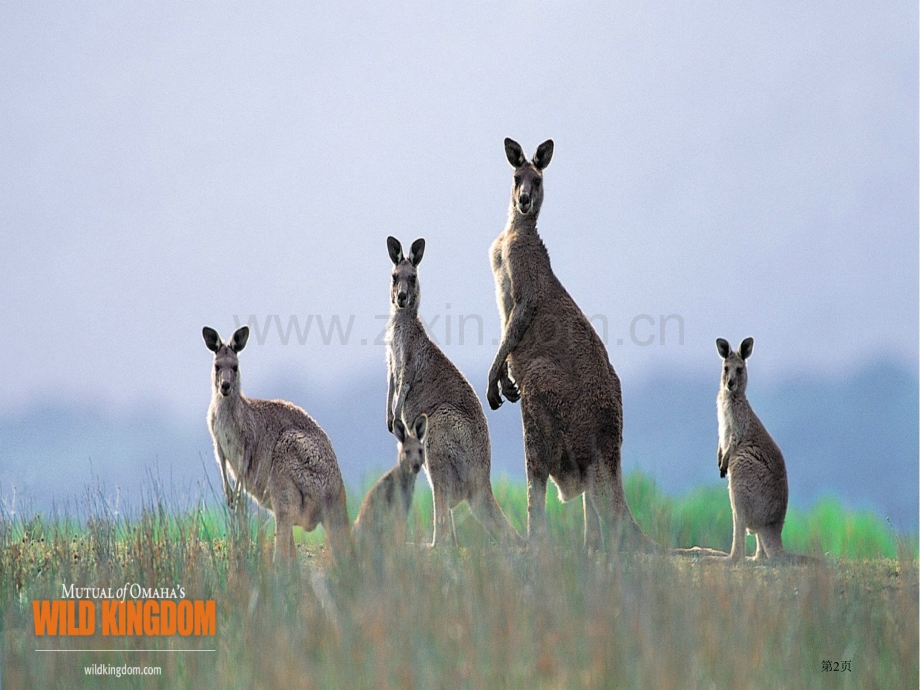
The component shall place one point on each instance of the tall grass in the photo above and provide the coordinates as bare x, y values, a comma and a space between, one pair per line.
477, 616
703, 517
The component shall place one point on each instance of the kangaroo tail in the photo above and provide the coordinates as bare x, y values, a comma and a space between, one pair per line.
632, 536
486, 509
338, 528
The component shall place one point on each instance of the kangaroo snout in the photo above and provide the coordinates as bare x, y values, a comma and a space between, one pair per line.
401, 299
225, 387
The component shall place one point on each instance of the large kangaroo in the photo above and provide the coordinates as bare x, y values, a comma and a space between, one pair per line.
421, 379
384, 511
551, 359
275, 452
757, 484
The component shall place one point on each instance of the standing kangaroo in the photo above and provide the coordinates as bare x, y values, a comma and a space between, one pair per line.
757, 484
421, 379
275, 452
385, 509
551, 359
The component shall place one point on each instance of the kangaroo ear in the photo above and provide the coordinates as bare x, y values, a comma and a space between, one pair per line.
399, 431
515, 153
395, 249
543, 155
417, 251
723, 347
211, 338
238, 341
747, 347
421, 426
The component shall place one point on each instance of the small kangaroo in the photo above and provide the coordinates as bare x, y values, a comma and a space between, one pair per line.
421, 379
276, 453
385, 509
757, 484
552, 360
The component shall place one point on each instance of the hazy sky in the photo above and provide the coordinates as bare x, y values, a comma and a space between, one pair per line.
753, 170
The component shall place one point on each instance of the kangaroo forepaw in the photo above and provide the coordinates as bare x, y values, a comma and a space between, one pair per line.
510, 390
493, 395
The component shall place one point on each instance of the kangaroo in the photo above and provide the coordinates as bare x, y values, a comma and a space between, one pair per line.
276, 453
552, 360
385, 509
757, 484
421, 379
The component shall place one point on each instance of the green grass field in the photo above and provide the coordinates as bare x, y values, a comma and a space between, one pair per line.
480, 615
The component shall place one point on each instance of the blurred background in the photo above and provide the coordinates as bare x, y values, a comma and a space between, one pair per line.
719, 171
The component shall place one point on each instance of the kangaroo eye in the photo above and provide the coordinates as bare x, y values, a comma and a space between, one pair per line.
236, 367
537, 182
217, 368
395, 279
412, 280
517, 180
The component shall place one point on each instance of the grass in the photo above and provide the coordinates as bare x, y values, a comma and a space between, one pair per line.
480, 615
701, 518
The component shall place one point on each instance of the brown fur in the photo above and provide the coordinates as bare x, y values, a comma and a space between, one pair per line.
275, 452
551, 358
385, 509
757, 484
421, 379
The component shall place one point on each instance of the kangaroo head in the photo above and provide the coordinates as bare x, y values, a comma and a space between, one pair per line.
225, 376
411, 448
527, 187
404, 290
734, 365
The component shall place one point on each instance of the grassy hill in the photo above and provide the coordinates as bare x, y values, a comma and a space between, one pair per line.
477, 616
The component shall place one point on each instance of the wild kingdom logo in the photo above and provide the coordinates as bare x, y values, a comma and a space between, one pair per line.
128, 610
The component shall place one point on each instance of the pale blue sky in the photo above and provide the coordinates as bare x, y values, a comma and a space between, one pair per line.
753, 169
